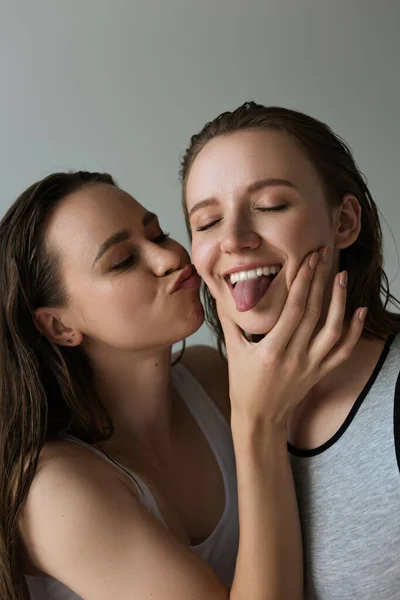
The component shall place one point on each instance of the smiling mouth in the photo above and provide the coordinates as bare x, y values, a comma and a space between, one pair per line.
248, 287
234, 278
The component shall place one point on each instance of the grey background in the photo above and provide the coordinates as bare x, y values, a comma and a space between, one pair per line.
121, 86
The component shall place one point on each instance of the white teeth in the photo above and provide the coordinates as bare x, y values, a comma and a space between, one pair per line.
254, 273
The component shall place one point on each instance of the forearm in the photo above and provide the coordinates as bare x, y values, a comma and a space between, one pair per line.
270, 562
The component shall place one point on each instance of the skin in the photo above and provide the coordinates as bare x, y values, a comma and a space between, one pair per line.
244, 225
126, 321
111, 300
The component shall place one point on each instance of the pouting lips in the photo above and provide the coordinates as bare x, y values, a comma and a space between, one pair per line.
187, 278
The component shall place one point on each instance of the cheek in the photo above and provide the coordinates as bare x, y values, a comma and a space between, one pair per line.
303, 235
308, 236
204, 255
111, 305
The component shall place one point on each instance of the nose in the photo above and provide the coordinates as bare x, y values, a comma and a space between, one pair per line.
239, 236
164, 261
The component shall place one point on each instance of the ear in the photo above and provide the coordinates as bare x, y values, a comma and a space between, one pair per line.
347, 222
49, 322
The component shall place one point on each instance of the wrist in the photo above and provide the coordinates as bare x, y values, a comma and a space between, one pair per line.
255, 431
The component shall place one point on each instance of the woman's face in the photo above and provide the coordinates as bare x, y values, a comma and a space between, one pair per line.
257, 207
124, 279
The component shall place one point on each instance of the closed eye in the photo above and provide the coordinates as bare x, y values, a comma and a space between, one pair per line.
278, 208
128, 262
208, 225
132, 259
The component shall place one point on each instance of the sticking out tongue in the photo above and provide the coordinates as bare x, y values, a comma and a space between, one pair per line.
249, 292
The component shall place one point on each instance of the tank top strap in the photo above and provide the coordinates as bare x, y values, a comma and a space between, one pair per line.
214, 427
220, 549
146, 497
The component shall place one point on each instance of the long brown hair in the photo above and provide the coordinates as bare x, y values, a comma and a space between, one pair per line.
333, 160
46, 392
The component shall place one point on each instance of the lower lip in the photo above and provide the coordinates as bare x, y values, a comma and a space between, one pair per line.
191, 282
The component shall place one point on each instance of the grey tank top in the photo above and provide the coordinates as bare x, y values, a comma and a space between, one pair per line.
220, 549
349, 496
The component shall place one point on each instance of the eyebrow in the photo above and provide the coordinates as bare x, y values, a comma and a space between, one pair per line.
271, 182
252, 188
122, 236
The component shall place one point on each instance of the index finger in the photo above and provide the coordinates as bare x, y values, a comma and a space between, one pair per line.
293, 310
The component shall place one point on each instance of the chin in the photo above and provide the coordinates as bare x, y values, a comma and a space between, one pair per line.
255, 323
191, 321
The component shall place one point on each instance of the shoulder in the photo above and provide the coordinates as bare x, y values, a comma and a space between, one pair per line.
84, 527
69, 475
210, 368
395, 345
72, 492
69, 460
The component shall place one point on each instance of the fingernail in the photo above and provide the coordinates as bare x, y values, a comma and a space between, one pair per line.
325, 254
343, 278
313, 260
363, 313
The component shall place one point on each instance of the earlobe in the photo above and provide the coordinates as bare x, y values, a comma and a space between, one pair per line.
48, 322
348, 222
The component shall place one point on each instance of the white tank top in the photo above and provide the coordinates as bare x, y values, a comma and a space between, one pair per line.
220, 549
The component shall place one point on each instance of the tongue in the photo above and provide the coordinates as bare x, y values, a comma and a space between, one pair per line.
249, 292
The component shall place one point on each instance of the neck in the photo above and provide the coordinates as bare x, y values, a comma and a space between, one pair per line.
362, 360
136, 389
327, 405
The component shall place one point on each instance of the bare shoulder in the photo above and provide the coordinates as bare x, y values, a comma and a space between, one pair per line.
66, 460
210, 368
67, 472
83, 526
68, 480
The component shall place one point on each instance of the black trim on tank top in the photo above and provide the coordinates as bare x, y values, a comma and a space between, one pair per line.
353, 411
396, 420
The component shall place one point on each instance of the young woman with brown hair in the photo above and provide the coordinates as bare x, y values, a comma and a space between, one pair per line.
117, 471
263, 187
